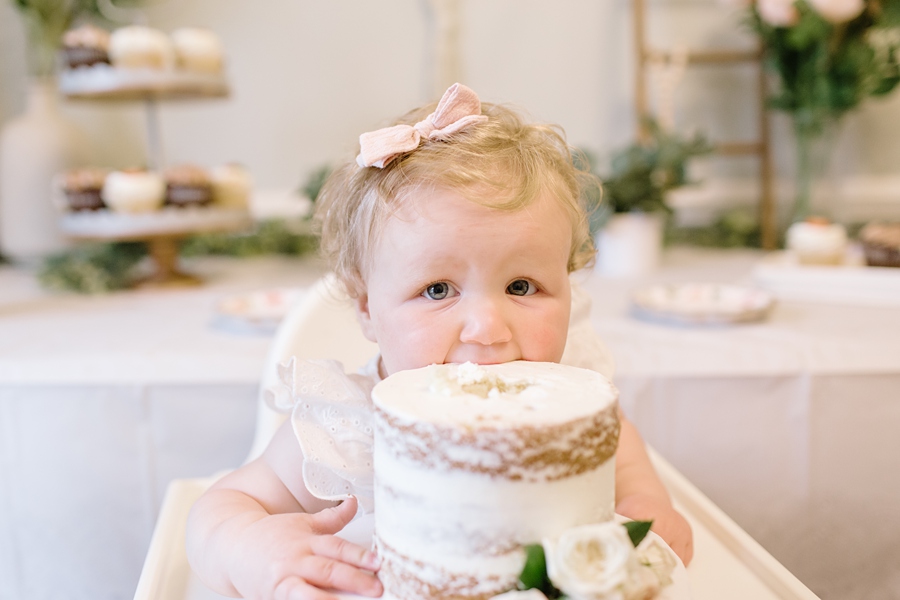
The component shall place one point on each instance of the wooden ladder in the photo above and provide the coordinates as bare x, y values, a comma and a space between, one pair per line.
760, 147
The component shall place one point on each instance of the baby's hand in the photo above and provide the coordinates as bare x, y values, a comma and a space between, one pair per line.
296, 556
667, 522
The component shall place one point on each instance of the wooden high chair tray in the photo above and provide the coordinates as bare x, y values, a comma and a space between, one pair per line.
105, 82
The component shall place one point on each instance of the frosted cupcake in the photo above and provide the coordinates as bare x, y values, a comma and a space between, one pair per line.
85, 46
81, 188
231, 185
187, 185
197, 50
817, 241
881, 244
136, 47
134, 191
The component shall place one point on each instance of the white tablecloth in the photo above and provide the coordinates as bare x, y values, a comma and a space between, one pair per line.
788, 425
105, 399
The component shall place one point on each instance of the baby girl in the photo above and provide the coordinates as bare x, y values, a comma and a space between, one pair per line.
454, 233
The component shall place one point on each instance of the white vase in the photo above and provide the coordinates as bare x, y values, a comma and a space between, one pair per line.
630, 244
34, 147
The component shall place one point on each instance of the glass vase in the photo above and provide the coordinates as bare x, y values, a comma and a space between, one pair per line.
815, 184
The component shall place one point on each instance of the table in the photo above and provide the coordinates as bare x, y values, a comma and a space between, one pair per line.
789, 425
105, 399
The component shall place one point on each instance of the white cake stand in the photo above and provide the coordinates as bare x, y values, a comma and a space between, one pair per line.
161, 230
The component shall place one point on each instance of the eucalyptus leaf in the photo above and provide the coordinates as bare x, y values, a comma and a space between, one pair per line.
534, 574
637, 530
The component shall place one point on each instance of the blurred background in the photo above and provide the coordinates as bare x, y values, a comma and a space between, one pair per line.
308, 77
788, 422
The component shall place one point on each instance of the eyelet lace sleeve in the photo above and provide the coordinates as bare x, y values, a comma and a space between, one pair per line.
331, 414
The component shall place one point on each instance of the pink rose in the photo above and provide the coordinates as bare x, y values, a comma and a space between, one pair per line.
838, 11
778, 13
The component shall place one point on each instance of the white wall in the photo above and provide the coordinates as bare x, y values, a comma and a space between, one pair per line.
309, 76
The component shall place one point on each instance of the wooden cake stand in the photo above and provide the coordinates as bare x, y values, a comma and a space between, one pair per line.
161, 230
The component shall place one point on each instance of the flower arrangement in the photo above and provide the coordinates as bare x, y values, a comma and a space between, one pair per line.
827, 57
602, 561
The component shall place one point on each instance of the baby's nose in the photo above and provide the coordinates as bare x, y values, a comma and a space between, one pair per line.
484, 323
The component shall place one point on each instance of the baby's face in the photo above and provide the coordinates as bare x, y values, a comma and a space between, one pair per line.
452, 281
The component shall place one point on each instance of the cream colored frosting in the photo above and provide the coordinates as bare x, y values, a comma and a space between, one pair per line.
86, 36
137, 46
817, 240
134, 191
197, 49
472, 462
232, 185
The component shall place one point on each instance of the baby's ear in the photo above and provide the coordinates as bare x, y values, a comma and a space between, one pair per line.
361, 303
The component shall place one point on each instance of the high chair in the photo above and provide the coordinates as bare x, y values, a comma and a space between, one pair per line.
727, 563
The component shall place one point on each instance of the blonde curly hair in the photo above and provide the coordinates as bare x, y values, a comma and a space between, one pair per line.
503, 163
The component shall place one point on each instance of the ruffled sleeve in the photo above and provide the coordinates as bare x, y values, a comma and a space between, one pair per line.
332, 417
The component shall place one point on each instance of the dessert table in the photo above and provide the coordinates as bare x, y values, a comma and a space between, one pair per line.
787, 424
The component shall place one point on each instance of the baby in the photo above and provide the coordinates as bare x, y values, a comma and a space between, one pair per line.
454, 233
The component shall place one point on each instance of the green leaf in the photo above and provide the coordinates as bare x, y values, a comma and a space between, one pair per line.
638, 530
534, 574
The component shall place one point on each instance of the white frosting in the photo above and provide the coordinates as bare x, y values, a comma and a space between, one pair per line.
463, 517
436, 394
197, 49
133, 191
232, 185
815, 239
137, 46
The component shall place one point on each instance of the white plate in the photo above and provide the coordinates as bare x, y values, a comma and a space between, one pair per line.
701, 303
260, 311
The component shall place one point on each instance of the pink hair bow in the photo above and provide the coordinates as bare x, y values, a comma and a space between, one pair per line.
458, 109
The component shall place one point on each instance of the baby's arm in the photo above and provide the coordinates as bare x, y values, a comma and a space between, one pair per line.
258, 533
640, 495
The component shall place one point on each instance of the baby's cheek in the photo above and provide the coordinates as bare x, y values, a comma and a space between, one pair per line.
549, 342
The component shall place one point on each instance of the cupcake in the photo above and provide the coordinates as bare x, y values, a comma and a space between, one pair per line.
197, 50
85, 46
134, 190
231, 185
81, 188
817, 241
136, 47
881, 244
187, 185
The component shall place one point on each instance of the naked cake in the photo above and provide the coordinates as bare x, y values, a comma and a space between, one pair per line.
473, 462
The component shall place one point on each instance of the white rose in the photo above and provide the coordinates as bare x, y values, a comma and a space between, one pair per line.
591, 562
778, 13
838, 11
658, 559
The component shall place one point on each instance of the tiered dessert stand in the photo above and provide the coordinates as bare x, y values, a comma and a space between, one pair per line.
164, 229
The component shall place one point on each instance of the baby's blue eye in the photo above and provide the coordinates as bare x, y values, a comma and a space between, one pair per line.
521, 287
437, 291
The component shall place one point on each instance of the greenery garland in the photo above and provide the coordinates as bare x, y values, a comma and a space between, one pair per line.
105, 267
